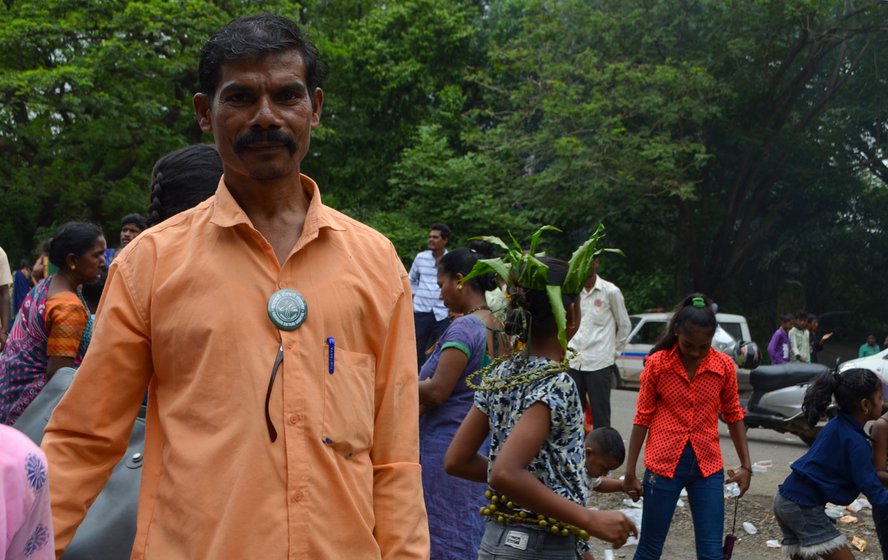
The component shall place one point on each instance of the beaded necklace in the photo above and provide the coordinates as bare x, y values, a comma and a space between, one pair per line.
504, 510
523, 377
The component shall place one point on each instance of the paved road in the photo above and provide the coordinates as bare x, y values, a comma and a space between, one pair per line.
780, 449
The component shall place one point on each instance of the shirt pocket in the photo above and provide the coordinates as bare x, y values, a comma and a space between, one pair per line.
349, 403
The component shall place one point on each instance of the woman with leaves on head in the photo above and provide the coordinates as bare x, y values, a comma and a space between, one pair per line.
529, 407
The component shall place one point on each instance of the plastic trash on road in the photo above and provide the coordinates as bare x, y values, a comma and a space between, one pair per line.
773, 543
635, 516
833, 511
762, 466
858, 543
858, 505
749, 528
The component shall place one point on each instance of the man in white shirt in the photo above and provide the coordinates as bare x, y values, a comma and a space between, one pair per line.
602, 335
430, 316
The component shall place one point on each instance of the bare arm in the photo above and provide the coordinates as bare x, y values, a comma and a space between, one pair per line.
462, 458
434, 391
510, 476
55, 363
631, 483
4, 314
742, 476
609, 485
879, 435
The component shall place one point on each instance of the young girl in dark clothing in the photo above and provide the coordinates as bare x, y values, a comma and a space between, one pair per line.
836, 469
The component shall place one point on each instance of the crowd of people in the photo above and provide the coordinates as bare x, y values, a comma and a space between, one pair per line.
436, 413
798, 339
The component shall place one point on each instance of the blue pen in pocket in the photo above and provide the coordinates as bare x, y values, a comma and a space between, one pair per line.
331, 350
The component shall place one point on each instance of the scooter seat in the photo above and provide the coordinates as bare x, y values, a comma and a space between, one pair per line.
770, 378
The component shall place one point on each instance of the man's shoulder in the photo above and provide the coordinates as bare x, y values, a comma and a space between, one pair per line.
607, 285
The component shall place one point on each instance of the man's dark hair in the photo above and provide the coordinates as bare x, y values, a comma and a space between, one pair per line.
443, 228
137, 220
252, 37
786, 317
608, 442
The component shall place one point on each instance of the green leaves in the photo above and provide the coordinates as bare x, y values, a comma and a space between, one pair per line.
525, 269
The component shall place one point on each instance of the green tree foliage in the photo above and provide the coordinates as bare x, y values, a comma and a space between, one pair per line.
728, 146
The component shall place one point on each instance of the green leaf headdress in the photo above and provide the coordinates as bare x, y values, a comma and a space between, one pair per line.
524, 269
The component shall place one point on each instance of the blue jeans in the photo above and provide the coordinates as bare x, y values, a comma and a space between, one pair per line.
706, 499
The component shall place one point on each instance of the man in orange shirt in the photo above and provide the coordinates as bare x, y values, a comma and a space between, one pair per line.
282, 398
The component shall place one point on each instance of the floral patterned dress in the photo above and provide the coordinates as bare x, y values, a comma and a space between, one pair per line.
26, 519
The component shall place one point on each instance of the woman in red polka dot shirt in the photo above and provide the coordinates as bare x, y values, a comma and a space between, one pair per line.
684, 385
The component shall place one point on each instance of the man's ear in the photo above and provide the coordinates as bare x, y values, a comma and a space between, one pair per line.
202, 111
317, 103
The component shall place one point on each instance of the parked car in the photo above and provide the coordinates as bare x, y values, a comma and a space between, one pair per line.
877, 363
647, 328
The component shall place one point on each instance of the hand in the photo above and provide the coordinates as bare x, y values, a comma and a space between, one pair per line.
826, 337
632, 486
742, 476
611, 526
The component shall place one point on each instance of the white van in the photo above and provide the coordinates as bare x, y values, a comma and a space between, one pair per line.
647, 328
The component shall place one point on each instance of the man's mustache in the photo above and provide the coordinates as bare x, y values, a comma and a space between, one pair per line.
245, 140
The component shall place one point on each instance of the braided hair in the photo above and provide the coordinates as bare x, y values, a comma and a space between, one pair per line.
848, 387
183, 179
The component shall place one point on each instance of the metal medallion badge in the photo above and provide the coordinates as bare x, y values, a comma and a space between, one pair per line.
287, 309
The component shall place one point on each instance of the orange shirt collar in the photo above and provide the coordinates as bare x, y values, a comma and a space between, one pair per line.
227, 212
705, 365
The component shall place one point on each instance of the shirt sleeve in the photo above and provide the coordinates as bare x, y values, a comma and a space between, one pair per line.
5, 271
646, 404
731, 410
401, 521
554, 392
414, 274
65, 319
621, 318
864, 475
90, 428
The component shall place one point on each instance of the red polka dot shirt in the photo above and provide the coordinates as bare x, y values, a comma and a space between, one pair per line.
676, 409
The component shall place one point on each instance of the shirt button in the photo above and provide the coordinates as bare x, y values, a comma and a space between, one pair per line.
289, 345
293, 419
297, 496
282, 285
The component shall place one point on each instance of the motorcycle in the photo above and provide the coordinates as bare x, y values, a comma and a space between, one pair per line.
777, 395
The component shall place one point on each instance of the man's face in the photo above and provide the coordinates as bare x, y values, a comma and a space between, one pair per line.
127, 233
261, 116
871, 340
436, 241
